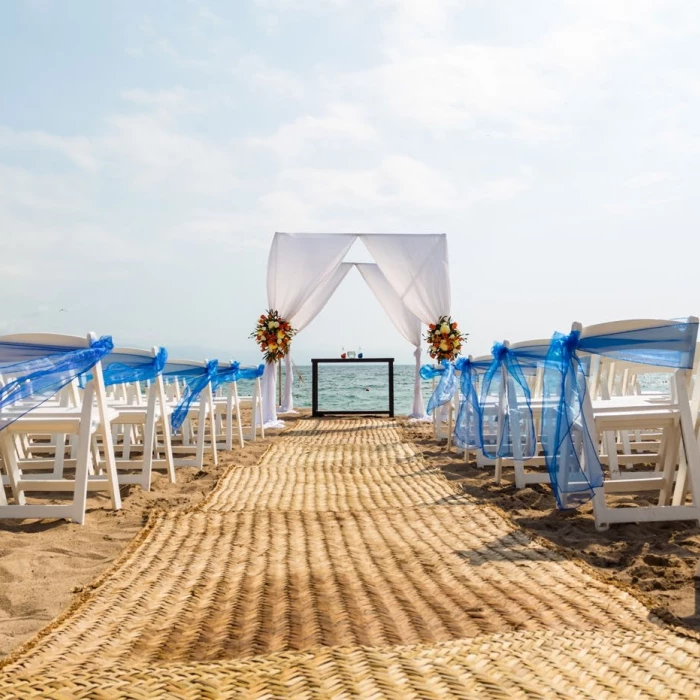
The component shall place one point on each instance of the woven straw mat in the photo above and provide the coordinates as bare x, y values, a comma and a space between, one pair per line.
309, 574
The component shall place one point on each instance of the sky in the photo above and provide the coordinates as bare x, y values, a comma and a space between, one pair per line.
150, 149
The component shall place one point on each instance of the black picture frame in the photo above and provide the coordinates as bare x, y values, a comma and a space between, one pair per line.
317, 413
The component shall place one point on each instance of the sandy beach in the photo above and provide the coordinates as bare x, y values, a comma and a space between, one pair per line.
44, 564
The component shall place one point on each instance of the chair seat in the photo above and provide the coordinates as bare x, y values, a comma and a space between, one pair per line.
53, 420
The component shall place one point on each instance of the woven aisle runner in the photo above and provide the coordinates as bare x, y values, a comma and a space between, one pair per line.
342, 566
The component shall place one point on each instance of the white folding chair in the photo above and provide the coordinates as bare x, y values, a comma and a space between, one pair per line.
678, 479
195, 439
530, 356
142, 422
22, 454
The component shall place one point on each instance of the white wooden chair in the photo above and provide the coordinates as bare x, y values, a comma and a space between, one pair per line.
198, 432
24, 420
228, 404
142, 423
678, 480
530, 355
227, 407
444, 416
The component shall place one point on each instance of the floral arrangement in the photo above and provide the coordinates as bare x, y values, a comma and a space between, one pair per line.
444, 339
273, 334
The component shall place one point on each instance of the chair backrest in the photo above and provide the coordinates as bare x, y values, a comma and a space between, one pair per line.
657, 342
60, 341
653, 345
172, 367
38, 365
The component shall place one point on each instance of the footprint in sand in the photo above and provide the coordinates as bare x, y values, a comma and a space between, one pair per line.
79, 554
5, 606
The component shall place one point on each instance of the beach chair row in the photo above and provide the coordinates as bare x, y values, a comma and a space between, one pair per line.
609, 409
79, 415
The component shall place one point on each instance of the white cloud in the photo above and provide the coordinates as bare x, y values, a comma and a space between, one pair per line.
644, 180
268, 79
343, 126
78, 149
163, 99
153, 151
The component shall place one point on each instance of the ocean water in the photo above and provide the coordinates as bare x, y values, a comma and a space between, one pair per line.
355, 387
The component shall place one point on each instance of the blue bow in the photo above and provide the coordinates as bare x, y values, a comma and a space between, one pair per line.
570, 452
197, 379
446, 387
121, 368
467, 432
430, 372
504, 403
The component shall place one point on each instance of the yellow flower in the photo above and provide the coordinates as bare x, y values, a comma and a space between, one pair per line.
271, 325
445, 329
280, 335
272, 346
443, 346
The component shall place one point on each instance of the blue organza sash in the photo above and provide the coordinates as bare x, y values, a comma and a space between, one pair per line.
123, 368
430, 372
570, 450
196, 380
234, 373
34, 373
507, 423
446, 386
251, 372
467, 432
225, 375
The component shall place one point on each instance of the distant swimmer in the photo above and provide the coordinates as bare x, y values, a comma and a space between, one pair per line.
366, 389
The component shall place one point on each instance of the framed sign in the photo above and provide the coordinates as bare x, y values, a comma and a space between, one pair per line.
316, 411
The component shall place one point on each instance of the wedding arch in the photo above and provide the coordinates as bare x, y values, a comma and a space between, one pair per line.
410, 277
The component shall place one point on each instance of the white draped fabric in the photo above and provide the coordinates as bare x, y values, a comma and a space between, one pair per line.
307, 313
406, 322
410, 279
417, 268
299, 263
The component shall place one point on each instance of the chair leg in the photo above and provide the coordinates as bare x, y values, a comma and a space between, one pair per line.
611, 449
212, 423
83, 456
14, 474
148, 440
167, 436
201, 429
498, 473
228, 422
670, 461
239, 421
59, 442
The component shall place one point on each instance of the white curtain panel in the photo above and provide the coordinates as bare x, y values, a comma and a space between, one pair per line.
417, 267
311, 308
298, 264
406, 322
